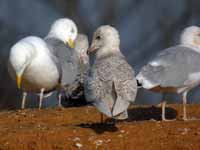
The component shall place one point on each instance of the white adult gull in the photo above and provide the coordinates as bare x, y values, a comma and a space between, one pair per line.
33, 67
175, 69
38, 65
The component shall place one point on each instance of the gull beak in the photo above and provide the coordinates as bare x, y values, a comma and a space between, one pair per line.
71, 43
91, 49
19, 80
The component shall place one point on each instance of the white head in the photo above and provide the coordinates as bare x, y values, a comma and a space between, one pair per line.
81, 47
65, 30
191, 37
22, 53
105, 41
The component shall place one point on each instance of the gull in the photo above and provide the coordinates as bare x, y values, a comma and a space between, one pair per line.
110, 83
175, 69
44, 65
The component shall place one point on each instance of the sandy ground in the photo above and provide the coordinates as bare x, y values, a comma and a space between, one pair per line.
79, 128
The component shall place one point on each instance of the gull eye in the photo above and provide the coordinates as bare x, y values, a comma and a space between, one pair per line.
72, 30
98, 38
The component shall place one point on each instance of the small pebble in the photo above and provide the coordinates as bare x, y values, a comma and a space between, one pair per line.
76, 139
79, 145
98, 142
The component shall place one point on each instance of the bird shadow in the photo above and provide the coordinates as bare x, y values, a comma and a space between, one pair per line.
150, 113
135, 114
70, 102
100, 128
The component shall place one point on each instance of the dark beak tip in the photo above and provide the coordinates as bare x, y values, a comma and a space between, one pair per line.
138, 83
89, 50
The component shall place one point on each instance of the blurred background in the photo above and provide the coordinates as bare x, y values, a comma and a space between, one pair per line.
145, 27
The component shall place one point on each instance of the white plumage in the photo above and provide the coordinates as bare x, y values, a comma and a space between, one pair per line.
37, 66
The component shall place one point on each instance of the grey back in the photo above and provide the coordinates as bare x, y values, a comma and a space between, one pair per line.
67, 59
175, 66
111, 85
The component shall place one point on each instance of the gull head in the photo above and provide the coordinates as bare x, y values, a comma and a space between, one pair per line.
65, 30
105, 41
191, 36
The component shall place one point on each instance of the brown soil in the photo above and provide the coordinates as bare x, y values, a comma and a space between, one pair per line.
79, 128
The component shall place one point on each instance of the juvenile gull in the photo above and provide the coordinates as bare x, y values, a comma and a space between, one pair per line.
175, 69
110, 84
43, 65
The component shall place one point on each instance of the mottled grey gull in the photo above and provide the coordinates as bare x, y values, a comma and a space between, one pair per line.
43, 65
175, 69
110, 84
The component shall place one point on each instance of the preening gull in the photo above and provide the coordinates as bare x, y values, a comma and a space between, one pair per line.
43, 65
77, 90
175, 69
110, 84
33, 67
58, 41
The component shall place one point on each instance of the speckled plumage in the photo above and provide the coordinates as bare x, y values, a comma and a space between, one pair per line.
111, 81
110, 84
